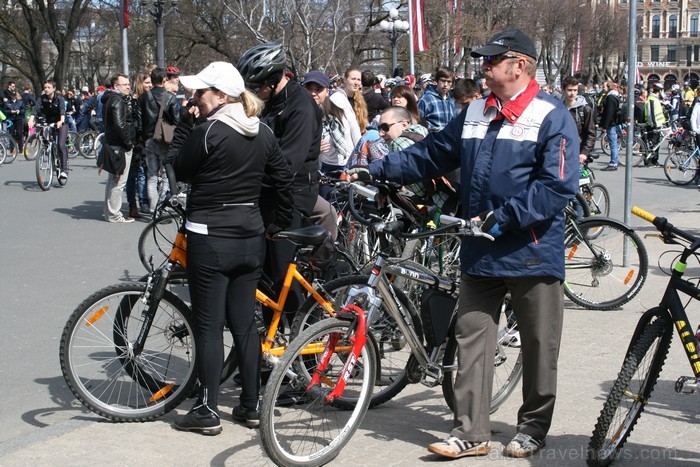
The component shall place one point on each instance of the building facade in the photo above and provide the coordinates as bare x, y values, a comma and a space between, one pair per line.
668, 40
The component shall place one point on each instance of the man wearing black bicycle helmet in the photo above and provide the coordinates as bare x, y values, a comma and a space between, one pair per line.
295, 119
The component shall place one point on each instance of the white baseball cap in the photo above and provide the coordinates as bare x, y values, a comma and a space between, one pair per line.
220, 75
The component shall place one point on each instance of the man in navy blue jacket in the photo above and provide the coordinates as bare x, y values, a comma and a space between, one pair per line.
518, 153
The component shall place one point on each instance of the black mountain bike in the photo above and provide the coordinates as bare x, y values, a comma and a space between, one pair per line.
647, 352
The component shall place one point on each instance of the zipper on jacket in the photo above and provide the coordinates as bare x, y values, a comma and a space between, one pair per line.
535, 240
562, 159
239, 204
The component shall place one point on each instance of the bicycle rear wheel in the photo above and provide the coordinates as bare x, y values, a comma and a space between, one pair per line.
681, 167
638, 152
44, 169
597, 198
3, 153
72, 144
309, 430
630, 393
156, 240
11, 148
596, 276
100, 365
508, 360
86, 145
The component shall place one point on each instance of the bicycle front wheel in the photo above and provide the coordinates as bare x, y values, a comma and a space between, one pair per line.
508, 360
394, 352
3, 153
156, 240
308, 430
31, 147
105, 372
597, 276
630, 393
681, 168
44, 169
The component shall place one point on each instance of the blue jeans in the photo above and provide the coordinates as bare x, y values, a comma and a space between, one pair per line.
613, 134
136, 185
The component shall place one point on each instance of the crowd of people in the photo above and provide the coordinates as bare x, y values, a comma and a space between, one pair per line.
250, 140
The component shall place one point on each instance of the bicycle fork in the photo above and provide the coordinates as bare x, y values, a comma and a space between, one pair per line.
152, 298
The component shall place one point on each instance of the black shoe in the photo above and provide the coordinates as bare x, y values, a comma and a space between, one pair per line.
201, 419
250, 417
609, 168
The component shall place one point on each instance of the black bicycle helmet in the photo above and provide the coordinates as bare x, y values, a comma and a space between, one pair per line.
263, 64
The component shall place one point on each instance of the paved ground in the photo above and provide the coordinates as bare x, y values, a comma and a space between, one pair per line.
45, 426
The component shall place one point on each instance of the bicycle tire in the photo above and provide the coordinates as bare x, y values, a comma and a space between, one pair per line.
3, 153
44, 169
309, 431
157, 238
394, 353
597, 198
72, 145
86, 145
681, 167
31, 147
99, 138
639, 151
99, 367
630, 392
508, 361
11, 148
600, 281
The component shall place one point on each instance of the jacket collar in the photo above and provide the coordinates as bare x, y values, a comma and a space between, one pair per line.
514, 108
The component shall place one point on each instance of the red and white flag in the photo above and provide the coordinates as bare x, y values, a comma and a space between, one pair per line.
456, 11
576, 62
125, 14
420, 38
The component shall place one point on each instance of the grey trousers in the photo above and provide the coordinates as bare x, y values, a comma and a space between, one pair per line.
114, 191
538, 305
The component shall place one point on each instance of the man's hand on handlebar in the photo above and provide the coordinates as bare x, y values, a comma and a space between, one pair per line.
359, 173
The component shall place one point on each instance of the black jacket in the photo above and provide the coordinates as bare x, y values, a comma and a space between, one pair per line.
50, 110
376, 103
150, 106
611, 104
295, 120
226, 169
116, 116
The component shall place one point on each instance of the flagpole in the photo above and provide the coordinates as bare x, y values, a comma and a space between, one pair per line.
125, 42
410, 37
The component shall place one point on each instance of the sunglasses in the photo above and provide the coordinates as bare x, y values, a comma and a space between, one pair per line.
200, 92
386, 126
496, 59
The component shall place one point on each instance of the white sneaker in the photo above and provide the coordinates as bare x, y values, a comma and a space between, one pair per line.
509, 337
121, 220
63, 176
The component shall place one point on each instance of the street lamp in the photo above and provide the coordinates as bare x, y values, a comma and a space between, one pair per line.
159, 12
395, 27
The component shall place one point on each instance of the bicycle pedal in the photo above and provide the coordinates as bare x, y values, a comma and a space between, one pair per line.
687, 385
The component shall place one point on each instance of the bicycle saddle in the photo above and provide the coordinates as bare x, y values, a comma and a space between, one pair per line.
313, 235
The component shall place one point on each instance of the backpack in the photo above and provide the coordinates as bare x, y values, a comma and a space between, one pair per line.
621, 115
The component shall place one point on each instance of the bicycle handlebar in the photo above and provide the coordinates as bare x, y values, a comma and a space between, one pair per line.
664, 226
449, 223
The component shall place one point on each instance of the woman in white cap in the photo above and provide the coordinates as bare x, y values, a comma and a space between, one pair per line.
225, 158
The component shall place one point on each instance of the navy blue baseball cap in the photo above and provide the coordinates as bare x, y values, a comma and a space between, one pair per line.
510, 40
317, 77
